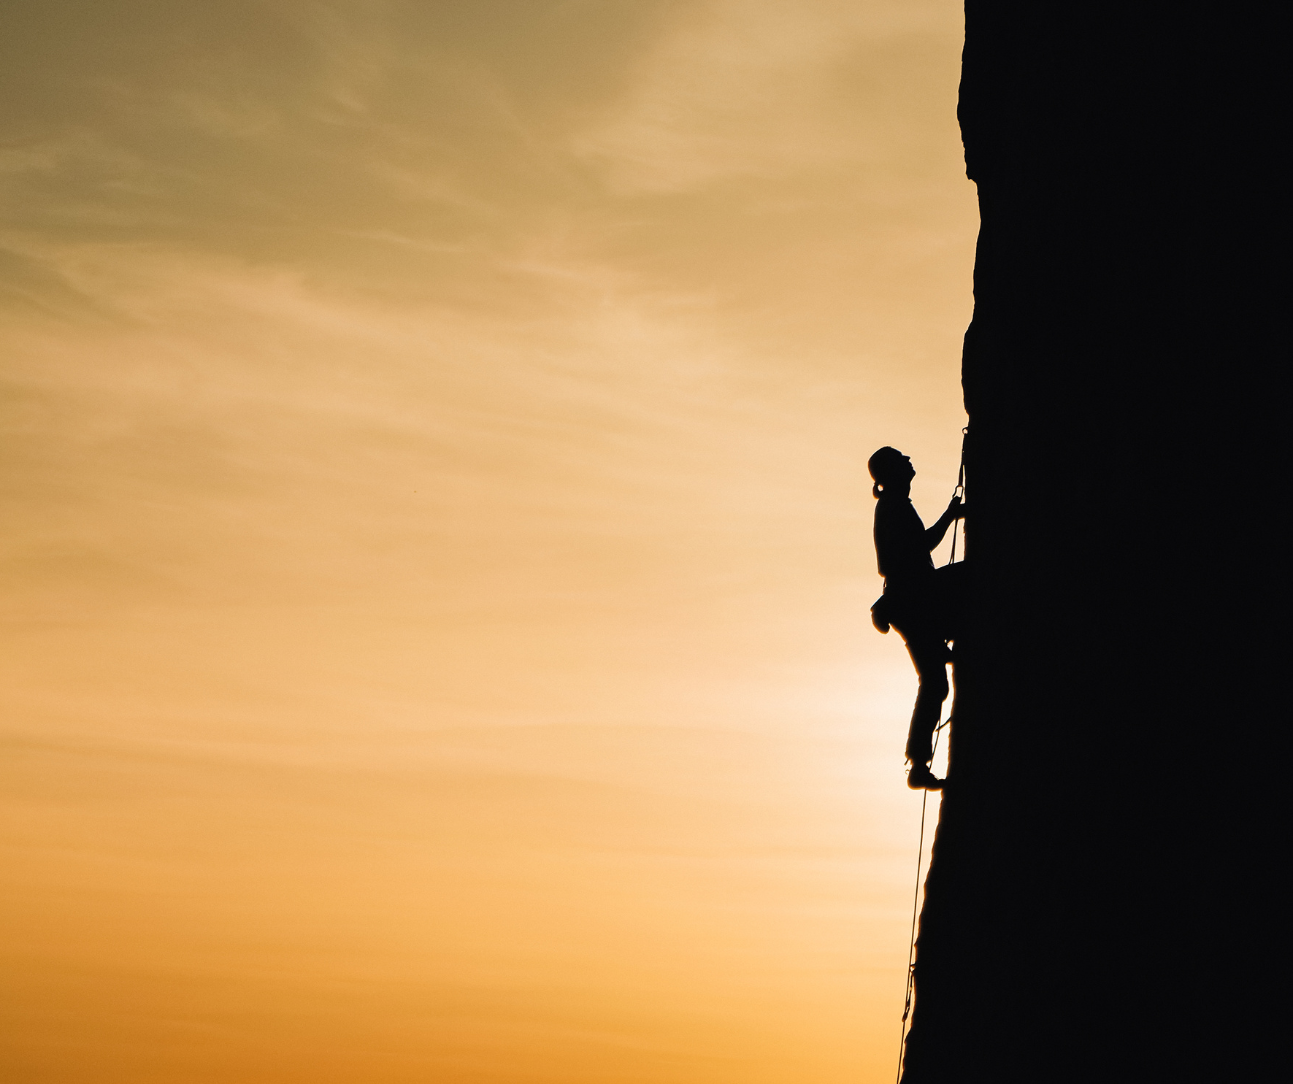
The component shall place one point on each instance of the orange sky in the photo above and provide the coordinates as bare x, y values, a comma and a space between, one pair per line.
435, 545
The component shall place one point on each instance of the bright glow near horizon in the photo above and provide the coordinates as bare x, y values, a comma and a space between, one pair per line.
436, 533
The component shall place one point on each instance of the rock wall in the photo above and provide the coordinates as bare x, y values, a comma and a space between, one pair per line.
1098, 867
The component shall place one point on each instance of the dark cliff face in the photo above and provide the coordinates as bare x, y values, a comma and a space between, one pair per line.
1098, 862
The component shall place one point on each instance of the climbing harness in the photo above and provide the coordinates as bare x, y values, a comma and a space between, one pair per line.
959, 491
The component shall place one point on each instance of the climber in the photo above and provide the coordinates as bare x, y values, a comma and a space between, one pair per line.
918, 600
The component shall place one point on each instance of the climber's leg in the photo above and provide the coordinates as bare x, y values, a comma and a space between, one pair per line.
929, 655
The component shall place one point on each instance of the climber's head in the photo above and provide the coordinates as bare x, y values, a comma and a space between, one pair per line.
891, 470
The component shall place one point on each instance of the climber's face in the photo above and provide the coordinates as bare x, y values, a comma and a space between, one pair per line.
890, 467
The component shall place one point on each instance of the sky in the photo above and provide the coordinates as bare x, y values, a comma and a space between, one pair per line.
435, 548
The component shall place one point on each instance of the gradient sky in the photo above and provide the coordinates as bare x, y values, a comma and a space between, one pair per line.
435, 546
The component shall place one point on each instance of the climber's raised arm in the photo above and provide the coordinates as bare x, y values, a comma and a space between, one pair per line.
934, 535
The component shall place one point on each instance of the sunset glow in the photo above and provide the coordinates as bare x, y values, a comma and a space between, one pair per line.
436, 533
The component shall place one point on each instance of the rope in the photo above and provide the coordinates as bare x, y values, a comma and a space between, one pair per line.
915, 907
959, 491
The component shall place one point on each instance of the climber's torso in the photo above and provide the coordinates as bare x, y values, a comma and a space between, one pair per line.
900, 547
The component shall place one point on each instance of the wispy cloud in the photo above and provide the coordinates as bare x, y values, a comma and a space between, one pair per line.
738, 89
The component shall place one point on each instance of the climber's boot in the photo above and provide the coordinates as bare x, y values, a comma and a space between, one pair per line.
921, 778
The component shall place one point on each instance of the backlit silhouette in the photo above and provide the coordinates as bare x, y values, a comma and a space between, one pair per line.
918, 600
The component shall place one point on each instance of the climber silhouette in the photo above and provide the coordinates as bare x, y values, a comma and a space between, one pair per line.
921, 602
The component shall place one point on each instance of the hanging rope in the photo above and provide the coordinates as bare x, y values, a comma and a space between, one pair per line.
959, 491
915, 905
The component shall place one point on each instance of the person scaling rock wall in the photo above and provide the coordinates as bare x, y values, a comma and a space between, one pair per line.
920, 601
1099, 854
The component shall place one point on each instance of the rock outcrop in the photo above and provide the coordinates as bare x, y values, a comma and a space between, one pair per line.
1094, 901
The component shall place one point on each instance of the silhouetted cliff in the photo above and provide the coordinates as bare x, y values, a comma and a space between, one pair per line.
1097, 876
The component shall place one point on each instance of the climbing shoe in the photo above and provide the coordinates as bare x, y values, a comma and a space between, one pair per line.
921, 778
